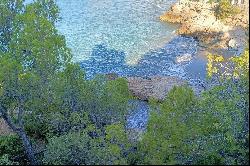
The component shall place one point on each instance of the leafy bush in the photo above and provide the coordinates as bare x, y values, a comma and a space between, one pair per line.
225, 112
10, 148
74, 102
170, 129
225, 9
72, 148
117, 145
211, 130
4, 160
82, 148
109, 101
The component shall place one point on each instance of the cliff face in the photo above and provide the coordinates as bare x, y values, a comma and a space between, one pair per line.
198, 20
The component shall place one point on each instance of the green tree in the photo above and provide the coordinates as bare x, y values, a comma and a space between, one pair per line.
35, 54
79, 147
72, 148
14, 93
170, 129
212, 129
117, 145
10, 146
110, 101
9, 9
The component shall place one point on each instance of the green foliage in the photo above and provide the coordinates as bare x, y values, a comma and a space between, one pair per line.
225, 9
118, 145
9, 9
225, 111
36, 44
211, 130
82, 121
4, 160
10, 148
72, 148
75, 102
82, 148
44, 8
109, 103
169, 130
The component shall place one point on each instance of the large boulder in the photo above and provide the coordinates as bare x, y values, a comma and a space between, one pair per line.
155, 87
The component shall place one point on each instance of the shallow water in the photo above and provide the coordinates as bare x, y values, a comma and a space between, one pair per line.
132, 26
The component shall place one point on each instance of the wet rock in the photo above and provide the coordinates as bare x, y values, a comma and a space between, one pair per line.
154, 87
183, 58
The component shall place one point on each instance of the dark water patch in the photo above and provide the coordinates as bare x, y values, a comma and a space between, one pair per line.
156, 62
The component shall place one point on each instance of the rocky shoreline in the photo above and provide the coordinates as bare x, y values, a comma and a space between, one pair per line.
197, 19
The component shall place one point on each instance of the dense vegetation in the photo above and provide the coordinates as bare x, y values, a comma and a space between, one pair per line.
59, 117
224, 9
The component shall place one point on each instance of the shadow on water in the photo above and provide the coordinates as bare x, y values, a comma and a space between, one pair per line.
161, 61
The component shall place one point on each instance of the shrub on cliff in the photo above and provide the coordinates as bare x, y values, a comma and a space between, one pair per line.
225, 9
75, 101
170, 130
11, 150
212, 129
80, 148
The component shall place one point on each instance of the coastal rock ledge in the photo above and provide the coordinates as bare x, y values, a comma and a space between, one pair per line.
155, 87
198, 20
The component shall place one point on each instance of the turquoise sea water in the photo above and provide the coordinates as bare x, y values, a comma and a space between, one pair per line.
124, 37
131, 26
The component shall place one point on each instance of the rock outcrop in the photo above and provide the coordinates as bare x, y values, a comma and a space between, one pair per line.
153, 87
198, 20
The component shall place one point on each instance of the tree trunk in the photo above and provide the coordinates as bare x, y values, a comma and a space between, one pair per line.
28, 147
22, 134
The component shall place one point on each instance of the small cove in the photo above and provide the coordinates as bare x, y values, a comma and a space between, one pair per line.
126, 37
